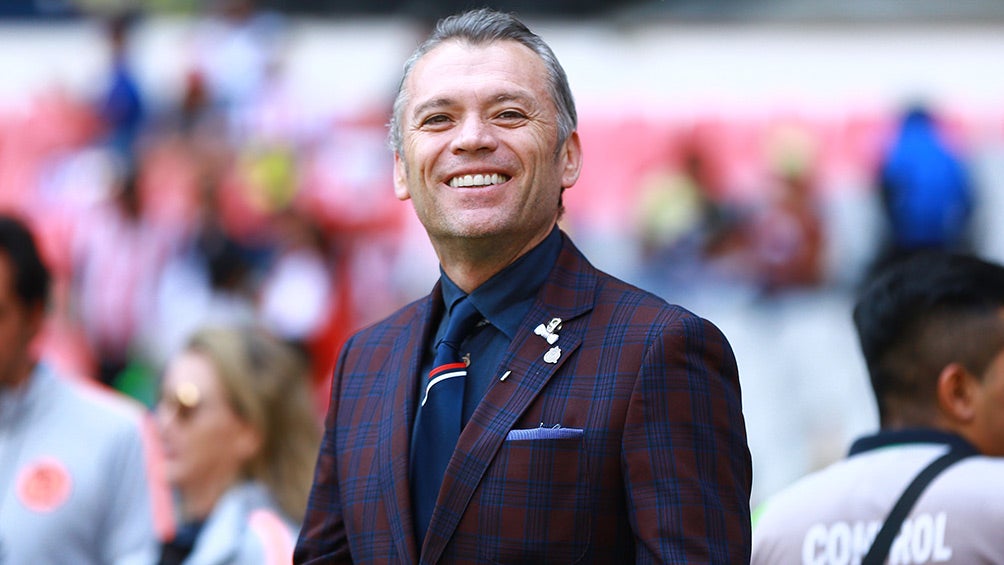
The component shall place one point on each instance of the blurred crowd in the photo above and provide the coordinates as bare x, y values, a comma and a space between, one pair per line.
216, 209
227, 206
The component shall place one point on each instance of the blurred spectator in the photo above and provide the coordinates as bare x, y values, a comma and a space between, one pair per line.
209, 281
240, 438
678, 221
297, 294
926, 189
122, 109
78, 480
235, 48
692, 233
787, 230
118, 258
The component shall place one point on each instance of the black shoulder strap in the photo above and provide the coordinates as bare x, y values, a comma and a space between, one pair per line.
885, 536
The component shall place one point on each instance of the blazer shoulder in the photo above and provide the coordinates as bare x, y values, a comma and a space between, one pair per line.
390, 327
576, 282
646, 306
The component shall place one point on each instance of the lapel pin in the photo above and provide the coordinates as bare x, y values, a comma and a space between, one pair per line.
552, 355
548, 332
542, 332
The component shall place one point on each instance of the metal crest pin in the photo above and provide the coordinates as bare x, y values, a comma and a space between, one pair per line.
552, 355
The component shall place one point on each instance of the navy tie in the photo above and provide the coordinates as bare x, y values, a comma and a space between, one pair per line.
439, 416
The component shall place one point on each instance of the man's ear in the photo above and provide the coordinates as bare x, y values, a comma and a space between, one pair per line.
957, 393
400, 178
571, 154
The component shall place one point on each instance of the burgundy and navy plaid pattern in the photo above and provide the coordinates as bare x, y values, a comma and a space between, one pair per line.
439, 419
647, 460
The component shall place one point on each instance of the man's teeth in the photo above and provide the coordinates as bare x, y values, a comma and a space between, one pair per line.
478, 180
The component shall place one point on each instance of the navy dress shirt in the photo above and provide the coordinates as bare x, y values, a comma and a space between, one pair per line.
504, 301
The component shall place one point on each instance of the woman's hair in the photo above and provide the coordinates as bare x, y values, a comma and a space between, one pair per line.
266, 383
483, 27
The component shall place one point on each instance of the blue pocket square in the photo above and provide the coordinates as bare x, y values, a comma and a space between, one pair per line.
543, 433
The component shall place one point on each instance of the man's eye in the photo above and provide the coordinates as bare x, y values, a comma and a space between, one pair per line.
436, 119
512, 115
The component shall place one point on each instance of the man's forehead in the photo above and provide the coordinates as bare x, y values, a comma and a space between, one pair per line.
467, 54
454, 69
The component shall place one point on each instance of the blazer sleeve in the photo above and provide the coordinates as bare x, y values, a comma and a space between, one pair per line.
687, 465
322, 537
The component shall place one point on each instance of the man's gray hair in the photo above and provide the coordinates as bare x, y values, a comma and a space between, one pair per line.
481, 27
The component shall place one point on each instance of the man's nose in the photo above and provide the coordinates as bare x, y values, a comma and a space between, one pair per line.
474, 134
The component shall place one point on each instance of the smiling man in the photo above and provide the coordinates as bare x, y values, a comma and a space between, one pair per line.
530, 409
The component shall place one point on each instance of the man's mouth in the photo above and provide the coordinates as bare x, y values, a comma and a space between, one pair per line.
478, 180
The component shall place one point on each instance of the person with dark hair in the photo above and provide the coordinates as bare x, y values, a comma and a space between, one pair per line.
77, 469
931, 328
531, 408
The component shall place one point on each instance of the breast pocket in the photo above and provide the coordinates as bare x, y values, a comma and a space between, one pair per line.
536, 496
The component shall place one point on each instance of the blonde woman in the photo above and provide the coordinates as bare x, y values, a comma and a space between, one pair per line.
240, 437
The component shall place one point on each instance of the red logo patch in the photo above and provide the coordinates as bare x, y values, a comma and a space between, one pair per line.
44, 485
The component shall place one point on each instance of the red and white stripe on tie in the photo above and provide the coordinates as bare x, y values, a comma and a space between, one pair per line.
442, 373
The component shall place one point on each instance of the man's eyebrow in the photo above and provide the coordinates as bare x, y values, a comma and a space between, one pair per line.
443, 102
512, 97
431, 105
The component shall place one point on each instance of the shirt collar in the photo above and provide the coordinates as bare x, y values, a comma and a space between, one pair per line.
505, 298
886, 438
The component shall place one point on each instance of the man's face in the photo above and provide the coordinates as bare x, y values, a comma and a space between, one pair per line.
480, 155
18, 326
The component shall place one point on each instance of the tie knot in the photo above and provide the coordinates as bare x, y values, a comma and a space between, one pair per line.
462, 320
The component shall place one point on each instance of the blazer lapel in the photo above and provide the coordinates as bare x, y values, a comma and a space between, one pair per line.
395, 431
529, 369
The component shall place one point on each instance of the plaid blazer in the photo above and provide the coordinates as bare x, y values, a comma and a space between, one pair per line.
630, 446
